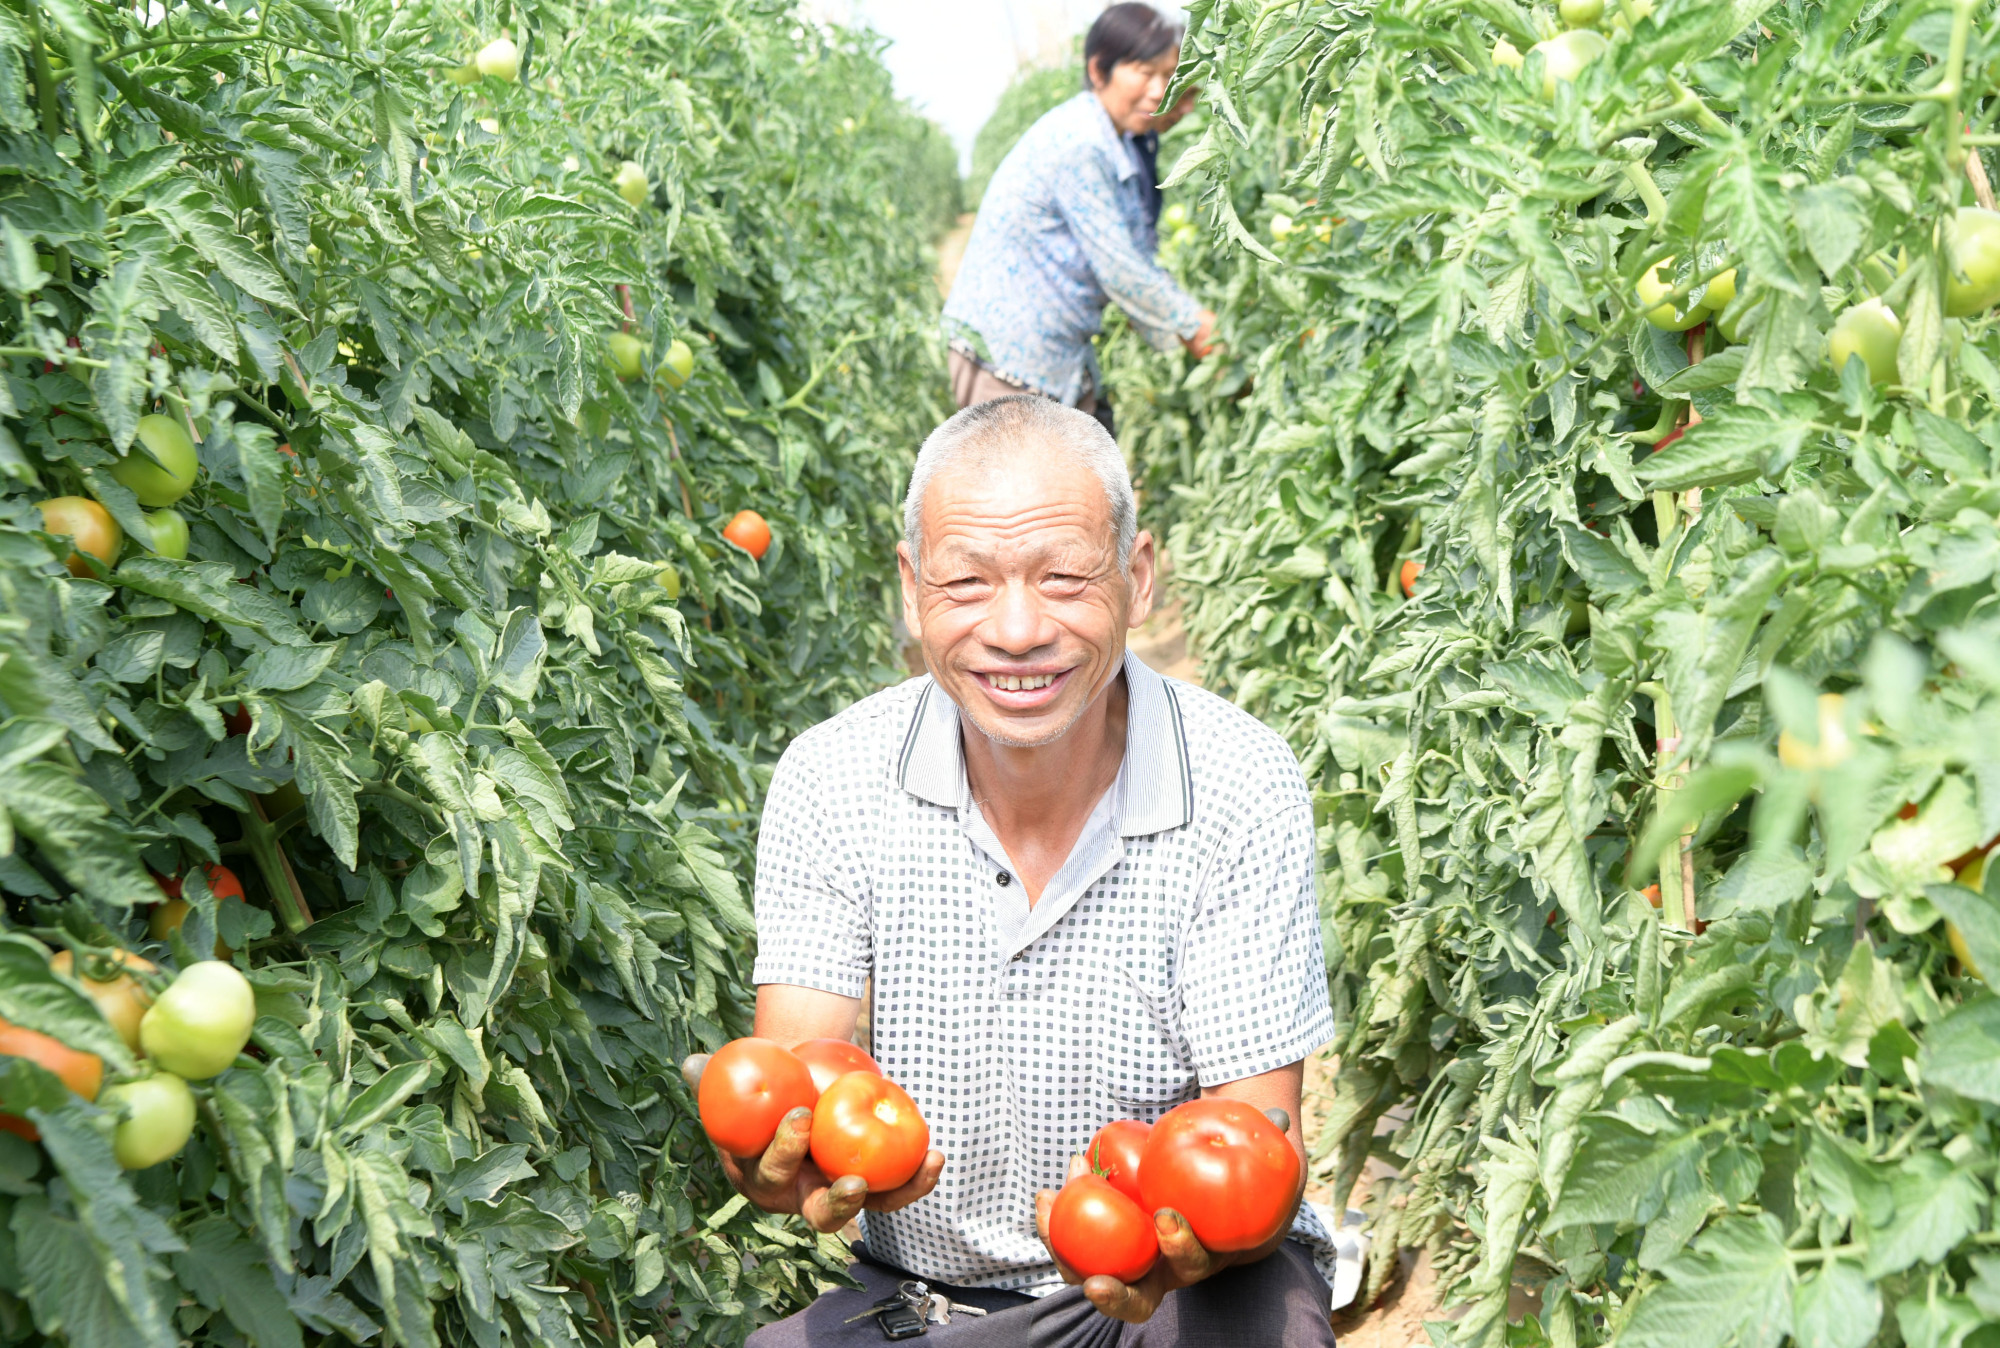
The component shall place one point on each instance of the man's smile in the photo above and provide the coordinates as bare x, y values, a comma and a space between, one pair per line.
1025, 690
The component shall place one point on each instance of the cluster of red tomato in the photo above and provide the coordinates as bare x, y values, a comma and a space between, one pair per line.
192, 1031
863, 1123
1221, 1164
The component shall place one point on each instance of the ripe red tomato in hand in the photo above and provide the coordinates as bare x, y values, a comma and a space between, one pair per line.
831, 1059
1097, 1230
1226, 1168
748, 531
747, 1089
866, 1125
1114, 1154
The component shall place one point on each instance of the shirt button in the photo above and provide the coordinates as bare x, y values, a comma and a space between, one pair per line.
1003, 879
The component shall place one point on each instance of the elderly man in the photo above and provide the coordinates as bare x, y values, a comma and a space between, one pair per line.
1084, 892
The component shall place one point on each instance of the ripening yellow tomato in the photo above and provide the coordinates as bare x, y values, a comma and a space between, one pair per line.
1834, 746
88, 526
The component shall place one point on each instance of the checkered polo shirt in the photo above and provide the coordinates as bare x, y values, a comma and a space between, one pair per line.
1179, 947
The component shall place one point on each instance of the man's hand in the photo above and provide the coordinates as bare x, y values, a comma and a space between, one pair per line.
1183, 1262
1203, 342
784, 1178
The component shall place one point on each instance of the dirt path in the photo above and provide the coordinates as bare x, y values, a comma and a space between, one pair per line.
951, 252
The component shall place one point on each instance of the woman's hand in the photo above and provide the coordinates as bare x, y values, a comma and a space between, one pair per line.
1203, 342
784, 1178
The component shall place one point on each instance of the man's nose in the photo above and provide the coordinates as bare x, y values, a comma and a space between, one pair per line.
1015, 622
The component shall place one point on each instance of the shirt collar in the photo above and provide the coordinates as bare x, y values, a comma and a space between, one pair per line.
1119, 143
1155, 786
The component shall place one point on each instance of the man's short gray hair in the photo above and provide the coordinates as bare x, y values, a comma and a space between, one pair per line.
1012, 430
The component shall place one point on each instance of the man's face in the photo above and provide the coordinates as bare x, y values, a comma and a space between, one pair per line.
1022, 608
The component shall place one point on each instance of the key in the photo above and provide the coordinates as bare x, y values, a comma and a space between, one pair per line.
884, 1304
961, 1308
937, 1309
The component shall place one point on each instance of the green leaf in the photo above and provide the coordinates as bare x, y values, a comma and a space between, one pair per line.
1616, 1167
225, 1273
1838, 1307
1962, 1051
1937, 1206
1733, 1287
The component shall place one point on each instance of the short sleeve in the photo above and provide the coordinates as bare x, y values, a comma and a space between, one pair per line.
812, 908
1253, 987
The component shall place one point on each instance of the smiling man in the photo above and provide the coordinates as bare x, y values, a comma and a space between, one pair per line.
1084, 892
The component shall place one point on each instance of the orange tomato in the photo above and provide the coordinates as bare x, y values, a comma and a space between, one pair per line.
123, 1000
866, 1125
747, 1089
749, 531
1412, 568
83, 1073
831, 1059
89, 527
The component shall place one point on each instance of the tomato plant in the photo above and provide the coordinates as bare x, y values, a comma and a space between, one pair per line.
121, 998
1724, 1117
1114, 1154
155, 1119
201, 1022
1097, 1229
161, 465
82, 1073
422, 590
747, 1089
1225, 1168
89, 528
867, 1125
830, 1059
749, 531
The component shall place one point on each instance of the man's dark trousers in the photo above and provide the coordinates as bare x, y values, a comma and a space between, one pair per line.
1279, 1302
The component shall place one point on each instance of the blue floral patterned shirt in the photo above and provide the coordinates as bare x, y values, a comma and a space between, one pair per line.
1062, 231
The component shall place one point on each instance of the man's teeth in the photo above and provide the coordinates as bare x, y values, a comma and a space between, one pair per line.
1009, 683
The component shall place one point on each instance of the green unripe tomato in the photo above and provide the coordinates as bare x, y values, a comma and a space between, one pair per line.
1507, 54
1281, 227
1972, 244
1654, 287
164, 482
1176, 214
499, 59
464, 74
1581, 13
669, 580
201, 1022
632, 184
678, 367
1871, 331
1566, 54
157, 1119
628, 355
168, 534
1720, 293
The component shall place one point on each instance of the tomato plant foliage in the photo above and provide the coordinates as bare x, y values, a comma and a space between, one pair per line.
457, 672
1766, 1106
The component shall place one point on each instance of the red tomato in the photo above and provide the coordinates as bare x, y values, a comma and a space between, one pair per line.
1096, 1229
1412, 568
830, 1059
749, 532
83, 1073
865, 1125
1226, 1168
1114, 1154
747, 1089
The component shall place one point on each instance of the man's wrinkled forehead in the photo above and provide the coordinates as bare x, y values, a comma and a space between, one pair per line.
993, 506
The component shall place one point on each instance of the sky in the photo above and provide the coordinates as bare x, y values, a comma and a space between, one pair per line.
952, 58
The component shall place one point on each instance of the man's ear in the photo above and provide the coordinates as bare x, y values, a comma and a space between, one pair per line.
912, 614
1140, 575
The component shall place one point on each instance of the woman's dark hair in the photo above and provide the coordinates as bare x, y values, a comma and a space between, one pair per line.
1128, 32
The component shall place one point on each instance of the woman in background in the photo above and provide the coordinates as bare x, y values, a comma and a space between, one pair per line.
1067, 226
